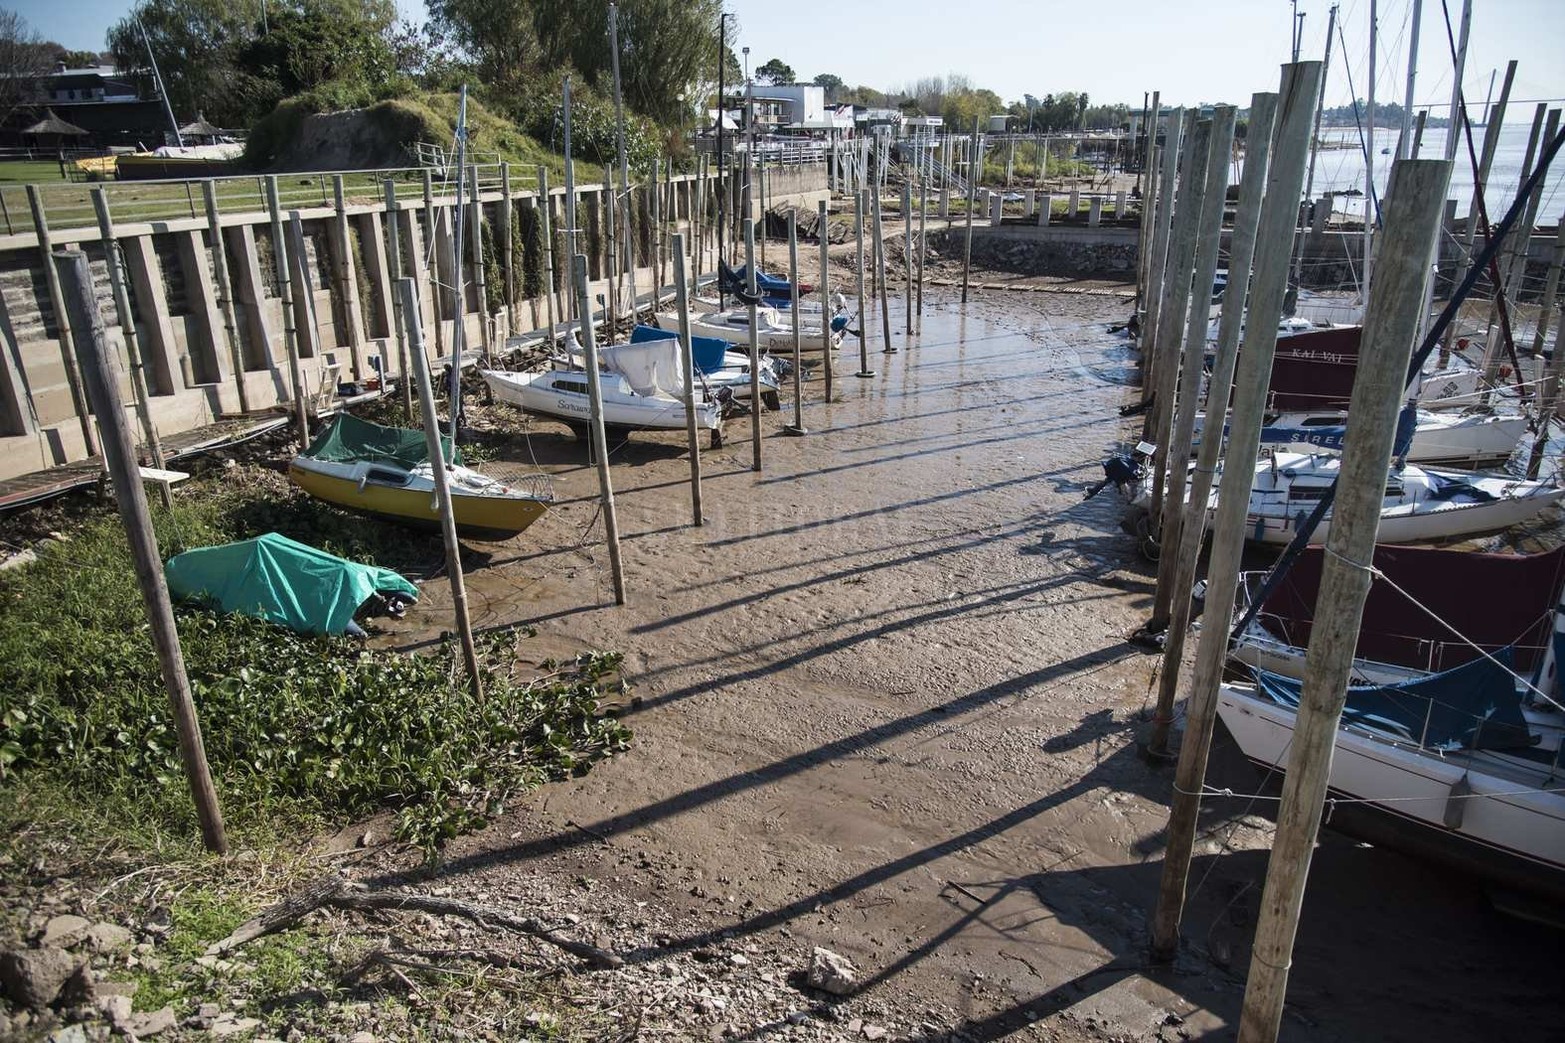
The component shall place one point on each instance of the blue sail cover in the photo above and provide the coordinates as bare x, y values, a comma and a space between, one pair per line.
1473, 706
708, 353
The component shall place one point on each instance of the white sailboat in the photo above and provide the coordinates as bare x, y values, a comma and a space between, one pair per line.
775, 334
1450, 438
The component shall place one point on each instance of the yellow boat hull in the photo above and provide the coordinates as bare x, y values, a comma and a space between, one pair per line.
478, 517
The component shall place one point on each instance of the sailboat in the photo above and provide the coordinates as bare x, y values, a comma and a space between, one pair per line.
1450, 744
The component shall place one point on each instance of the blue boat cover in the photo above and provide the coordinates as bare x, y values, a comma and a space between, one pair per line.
283, 581
1472, 706
706, 352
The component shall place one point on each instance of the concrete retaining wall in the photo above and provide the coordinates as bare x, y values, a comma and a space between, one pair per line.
343, 308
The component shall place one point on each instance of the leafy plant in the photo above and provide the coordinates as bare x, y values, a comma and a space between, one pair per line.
299, 728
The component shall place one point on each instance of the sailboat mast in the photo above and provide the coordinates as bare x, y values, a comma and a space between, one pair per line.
628, 251
722, 182
157, 77
458, 333
1405, 143
1292, 300
1369, 155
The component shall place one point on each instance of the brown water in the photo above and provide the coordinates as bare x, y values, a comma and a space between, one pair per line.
886, 704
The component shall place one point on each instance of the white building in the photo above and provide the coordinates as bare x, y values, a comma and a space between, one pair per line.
799, 105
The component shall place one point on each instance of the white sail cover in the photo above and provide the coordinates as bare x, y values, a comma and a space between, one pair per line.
650, 367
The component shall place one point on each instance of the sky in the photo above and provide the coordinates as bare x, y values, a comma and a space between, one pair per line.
1191, 50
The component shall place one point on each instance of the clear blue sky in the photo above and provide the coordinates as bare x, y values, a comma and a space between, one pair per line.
1191, 50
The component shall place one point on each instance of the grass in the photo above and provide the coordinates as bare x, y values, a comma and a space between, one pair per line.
29, 172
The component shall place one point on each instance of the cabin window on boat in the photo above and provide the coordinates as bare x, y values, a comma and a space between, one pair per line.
571, 385
385, 477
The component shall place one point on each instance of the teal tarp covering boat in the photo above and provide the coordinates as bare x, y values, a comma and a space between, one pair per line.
283, 581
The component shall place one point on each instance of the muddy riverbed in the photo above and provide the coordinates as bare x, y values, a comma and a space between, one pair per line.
883, 703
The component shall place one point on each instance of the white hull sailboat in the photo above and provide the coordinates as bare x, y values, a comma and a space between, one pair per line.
774, 333
1451, 438
1420, 504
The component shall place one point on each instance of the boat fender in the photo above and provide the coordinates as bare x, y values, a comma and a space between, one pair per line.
1456, 802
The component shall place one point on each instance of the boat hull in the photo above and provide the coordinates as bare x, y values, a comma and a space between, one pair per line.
1413, 523
1509, 831
477, 517
534, 393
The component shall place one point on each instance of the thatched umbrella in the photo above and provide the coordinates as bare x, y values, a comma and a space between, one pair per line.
201, 129
53, 124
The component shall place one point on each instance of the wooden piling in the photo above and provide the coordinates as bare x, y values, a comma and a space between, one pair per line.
225, 292
589, 343
923, 217
62, 321
437, 463
972, 189
127, 324
1391, 320
860, 204
907, 251
797, 427
1172, 310
881, 289
1268, 286
555, 310
755, 344
73, 275
687, 367
1157, 263
823, 233
280, 254
432, 219
1208, 232
1551, 288
399, 331
476, 233
506, 250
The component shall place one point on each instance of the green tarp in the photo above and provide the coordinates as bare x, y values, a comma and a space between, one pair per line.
283, 581
347, 439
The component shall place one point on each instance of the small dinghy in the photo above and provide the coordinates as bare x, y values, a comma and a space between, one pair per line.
386, 471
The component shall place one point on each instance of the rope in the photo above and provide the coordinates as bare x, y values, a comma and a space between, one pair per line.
1215, 791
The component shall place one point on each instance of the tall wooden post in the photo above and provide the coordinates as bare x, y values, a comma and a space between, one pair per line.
1549, 393
62, 321
589, 343
507, 251
437, 463
1170, 157
394, 241
616, 280
1182, 553
437, 296
882, 289
476, 230
861, 204
280, 252
127, 324
687, 366
907, 251
923, 218
972, 192
1208, 232
1172, 312
823, 233
1551, 288
797, 427
225, 292
74, 275
1391, 320
556, 313
1269, 284
755, 344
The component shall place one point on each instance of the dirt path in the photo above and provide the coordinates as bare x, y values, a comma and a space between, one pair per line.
885, 707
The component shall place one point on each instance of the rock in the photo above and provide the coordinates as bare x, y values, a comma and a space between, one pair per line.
32, 978
68, 1034
64, 931
116, 1008
739, 959
79, 988
362, 1037
117, 988
228, 1025
143, 1025
874, 1032
109, 937
831, 972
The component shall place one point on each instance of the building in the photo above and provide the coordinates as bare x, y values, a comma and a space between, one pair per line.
107, 104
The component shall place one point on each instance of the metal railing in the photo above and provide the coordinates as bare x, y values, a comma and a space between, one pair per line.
68, 205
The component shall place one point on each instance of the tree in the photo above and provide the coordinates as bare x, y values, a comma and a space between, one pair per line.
775, 71
317, 43
833, 84
73, 59
194, 42
23, 60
